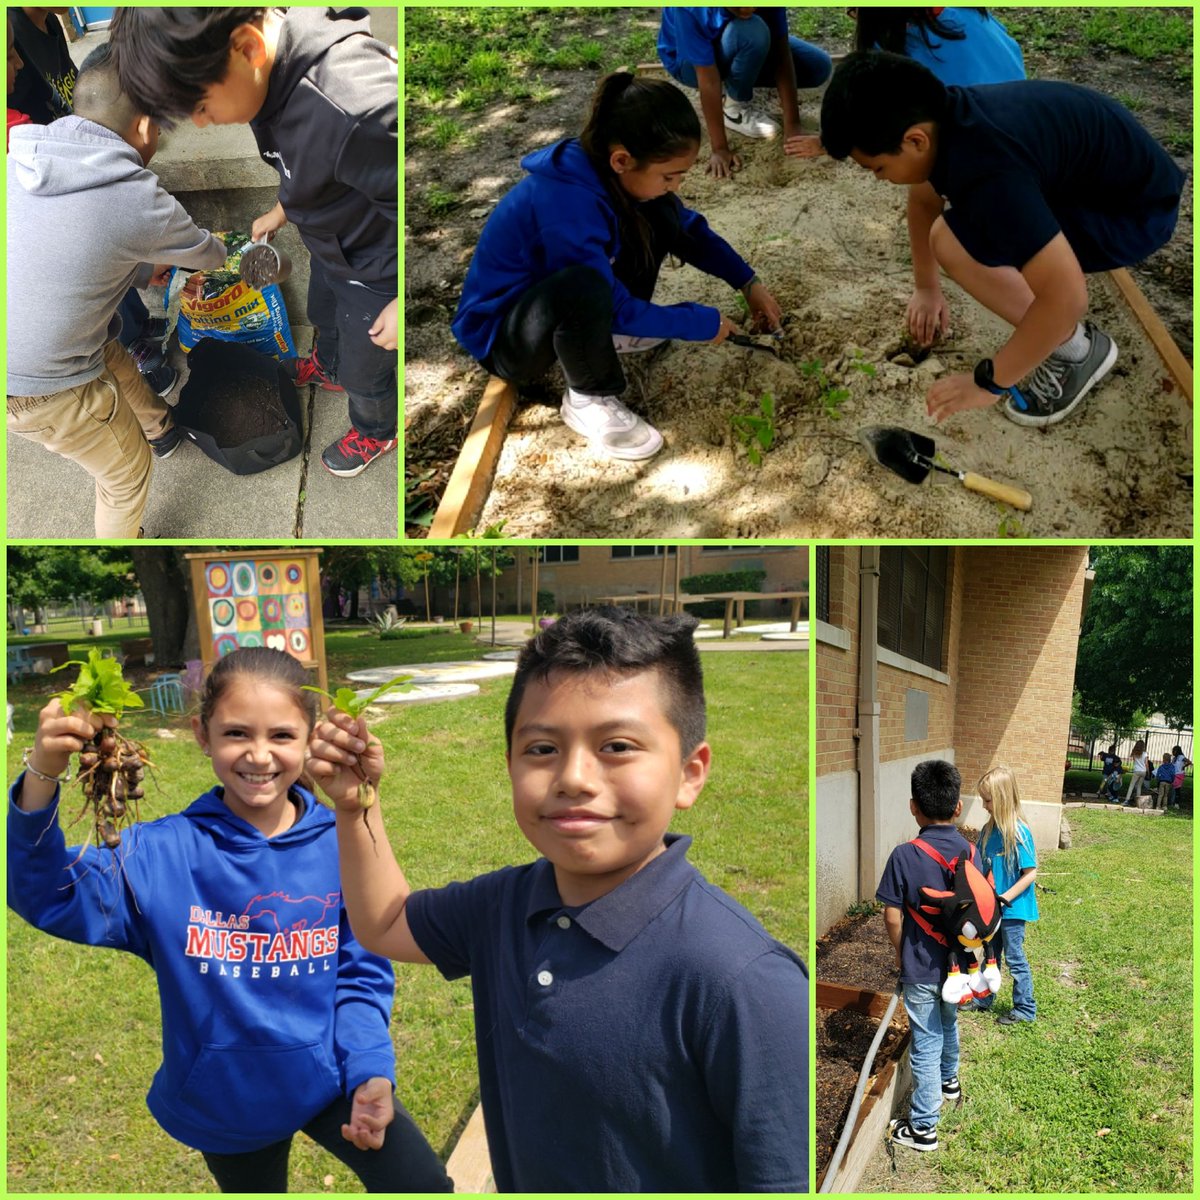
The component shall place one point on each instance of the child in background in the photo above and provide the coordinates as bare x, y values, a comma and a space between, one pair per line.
46, 82
1112, 768
1182, 762
1164, 776
15, 63
739, 49
72, 386
637, 1029
275, 1024
1044, 182
1006, 846
567, 263
923, 961
1140, 766
320, 96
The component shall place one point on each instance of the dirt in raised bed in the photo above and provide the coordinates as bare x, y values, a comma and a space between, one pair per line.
241, 408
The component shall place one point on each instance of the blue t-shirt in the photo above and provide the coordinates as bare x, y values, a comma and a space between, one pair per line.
986, 54
1006, 873
654, 1040
689, 35
908, 869
1022, 162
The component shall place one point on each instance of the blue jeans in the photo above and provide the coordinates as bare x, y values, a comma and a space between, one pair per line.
741, 58
934, 1052
133, 318
1012, 949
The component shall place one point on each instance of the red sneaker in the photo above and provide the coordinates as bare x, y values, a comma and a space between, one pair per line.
354, 453
309, 370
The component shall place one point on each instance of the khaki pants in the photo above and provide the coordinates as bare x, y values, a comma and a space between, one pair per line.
103, 426
1163, 799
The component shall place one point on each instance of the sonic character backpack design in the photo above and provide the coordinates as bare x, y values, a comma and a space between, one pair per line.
964, 918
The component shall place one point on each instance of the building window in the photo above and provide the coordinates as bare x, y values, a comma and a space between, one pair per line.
558, 554
642, 551
822, 583
744, 547
912, 601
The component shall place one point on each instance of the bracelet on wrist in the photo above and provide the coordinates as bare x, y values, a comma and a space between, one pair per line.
56, 779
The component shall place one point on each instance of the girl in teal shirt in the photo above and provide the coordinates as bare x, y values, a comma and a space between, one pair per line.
1006, 844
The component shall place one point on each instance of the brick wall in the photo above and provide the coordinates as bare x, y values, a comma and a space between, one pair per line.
837, 668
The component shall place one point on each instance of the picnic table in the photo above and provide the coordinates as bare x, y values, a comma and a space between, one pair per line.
735, 603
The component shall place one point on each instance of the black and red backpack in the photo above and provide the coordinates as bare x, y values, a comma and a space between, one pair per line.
967, 916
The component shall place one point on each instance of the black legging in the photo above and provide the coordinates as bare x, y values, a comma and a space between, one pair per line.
404, 1163
568, 315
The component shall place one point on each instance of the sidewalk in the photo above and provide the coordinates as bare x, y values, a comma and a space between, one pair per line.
217, 175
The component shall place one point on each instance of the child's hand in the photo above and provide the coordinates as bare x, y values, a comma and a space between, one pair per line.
927, 316
60, 734
383, 332
804, 145
342, 752
956, 393
765, 308
371, 1112
727, 327
723, 163
268, 224
161, 276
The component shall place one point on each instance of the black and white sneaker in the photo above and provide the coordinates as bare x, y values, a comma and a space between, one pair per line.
1055, 389
903, 1134
951, 1089
166, 443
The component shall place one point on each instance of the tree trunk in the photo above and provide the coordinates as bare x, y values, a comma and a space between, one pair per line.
166, 585
457, 574
493, 597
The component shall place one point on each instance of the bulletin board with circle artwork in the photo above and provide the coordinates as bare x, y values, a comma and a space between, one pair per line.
260, 598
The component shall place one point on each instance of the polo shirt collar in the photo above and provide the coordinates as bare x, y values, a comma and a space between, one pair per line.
616, 919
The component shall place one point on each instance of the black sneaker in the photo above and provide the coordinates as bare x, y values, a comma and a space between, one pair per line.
161, 379
951, 1089
146, 355
903, 1134
354, 453
167, 443
1055, 389
155, 329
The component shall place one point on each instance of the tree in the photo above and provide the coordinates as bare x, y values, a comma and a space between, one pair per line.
166, 582
38, 575
355, 567
1135, 649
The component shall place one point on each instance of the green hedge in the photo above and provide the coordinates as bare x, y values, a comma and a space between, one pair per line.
748, 580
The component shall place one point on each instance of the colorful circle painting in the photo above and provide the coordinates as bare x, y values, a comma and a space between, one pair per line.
297, 605
272, 610
222, 612
268, 576
243, 579
218, 579
247, 610
253, 638
227, 643
293, 573
298, 641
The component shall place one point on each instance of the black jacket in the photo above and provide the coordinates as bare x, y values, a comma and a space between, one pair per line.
330, 127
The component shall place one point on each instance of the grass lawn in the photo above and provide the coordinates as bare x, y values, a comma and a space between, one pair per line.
1096, 1095
1084, 784
83, 1024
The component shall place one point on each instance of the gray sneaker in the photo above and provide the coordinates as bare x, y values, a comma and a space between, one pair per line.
1055, 389
613, 429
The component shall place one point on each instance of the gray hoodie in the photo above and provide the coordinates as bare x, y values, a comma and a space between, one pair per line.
86, 221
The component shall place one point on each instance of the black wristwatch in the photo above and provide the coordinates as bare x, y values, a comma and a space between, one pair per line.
984, 378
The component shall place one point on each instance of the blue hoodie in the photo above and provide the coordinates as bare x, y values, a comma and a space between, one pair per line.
559, 216
270, 1008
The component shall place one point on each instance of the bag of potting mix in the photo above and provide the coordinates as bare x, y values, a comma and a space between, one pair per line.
217, 304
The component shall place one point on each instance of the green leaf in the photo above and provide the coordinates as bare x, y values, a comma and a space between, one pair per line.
348, 701
99, 687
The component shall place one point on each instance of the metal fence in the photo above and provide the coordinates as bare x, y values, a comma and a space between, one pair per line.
1083, 753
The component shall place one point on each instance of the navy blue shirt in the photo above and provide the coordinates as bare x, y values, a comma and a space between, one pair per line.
1022, 162
909, 868
654, 1040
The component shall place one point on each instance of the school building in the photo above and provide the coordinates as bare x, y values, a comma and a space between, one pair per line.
964, 653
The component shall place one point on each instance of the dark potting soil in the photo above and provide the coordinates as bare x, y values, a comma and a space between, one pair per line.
241, 408
258, 266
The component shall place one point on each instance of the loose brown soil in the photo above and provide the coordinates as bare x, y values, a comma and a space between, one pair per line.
242, 408
831, 243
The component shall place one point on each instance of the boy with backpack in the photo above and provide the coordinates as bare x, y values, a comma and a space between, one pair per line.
321, 97
923, 942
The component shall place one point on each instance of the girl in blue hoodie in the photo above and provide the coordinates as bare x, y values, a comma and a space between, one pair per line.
566, 265
274, 1018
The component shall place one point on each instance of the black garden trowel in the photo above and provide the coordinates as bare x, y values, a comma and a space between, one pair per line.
911, 456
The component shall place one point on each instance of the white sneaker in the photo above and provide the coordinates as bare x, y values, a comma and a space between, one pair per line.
629, 343
613, 430
742, 117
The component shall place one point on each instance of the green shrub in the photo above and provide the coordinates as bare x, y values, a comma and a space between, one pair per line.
403, 635
748, 580
545, 604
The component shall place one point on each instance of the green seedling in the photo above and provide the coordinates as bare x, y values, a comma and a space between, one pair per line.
1010, 524
111, 767
756, 430
830, 396
348, 701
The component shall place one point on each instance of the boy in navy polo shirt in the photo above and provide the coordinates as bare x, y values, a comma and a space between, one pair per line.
922, 960
1026, 187
637, 1029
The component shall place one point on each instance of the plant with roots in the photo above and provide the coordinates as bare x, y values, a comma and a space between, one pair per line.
111, 767
348, 701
